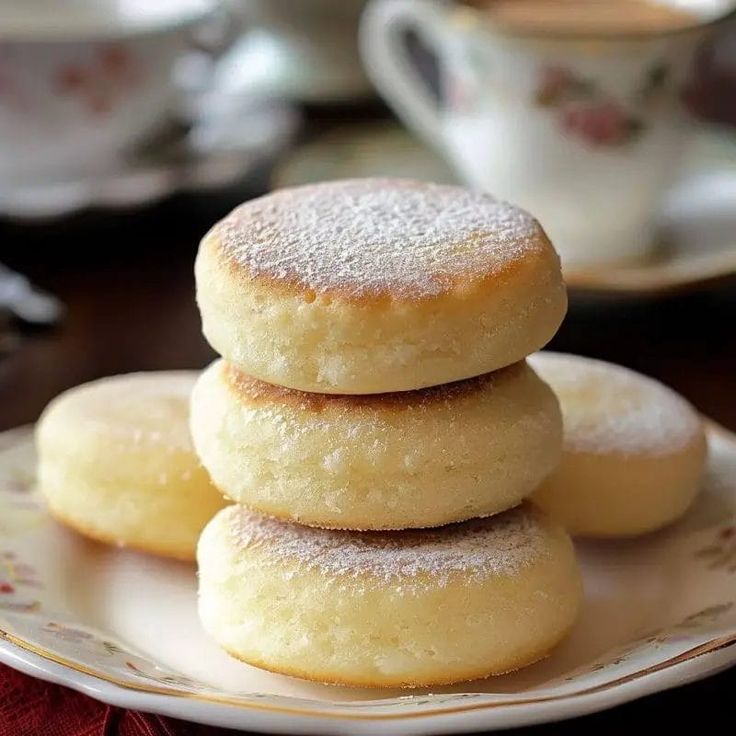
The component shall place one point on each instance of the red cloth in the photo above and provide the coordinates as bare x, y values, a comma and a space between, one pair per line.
31, 707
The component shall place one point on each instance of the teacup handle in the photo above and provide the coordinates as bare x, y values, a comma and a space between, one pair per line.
387, 61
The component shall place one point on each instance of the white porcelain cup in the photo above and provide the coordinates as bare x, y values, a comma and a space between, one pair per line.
83, 80
302, 49
584, 132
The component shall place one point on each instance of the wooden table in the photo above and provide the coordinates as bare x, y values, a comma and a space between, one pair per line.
128, 287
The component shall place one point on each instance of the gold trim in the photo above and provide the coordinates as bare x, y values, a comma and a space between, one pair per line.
706, 648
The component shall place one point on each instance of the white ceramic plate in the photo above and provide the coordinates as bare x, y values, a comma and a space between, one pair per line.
122, 627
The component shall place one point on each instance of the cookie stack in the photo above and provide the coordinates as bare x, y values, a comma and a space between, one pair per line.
374, 420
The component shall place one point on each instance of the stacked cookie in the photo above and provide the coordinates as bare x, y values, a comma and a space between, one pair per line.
374, 420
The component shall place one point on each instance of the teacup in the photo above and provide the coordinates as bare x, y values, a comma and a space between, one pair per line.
584, 131
302, 49
82, 81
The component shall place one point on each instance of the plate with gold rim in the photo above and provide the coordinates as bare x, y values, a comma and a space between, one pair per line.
122, 627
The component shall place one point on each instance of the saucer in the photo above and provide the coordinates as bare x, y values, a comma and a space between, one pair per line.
697, 229
122, 627
218, 143
362, 149
697, 223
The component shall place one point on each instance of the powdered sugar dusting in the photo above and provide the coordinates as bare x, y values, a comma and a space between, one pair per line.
377, 236
500, 545
147, 409
609, 408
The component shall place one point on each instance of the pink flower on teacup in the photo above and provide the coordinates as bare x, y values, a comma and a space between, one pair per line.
600, 123
587, 112
102, 83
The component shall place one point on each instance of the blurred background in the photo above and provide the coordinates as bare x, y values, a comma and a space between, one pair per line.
128, 127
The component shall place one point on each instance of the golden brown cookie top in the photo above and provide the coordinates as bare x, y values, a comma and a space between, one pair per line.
372, 238
254, 392
609, 408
